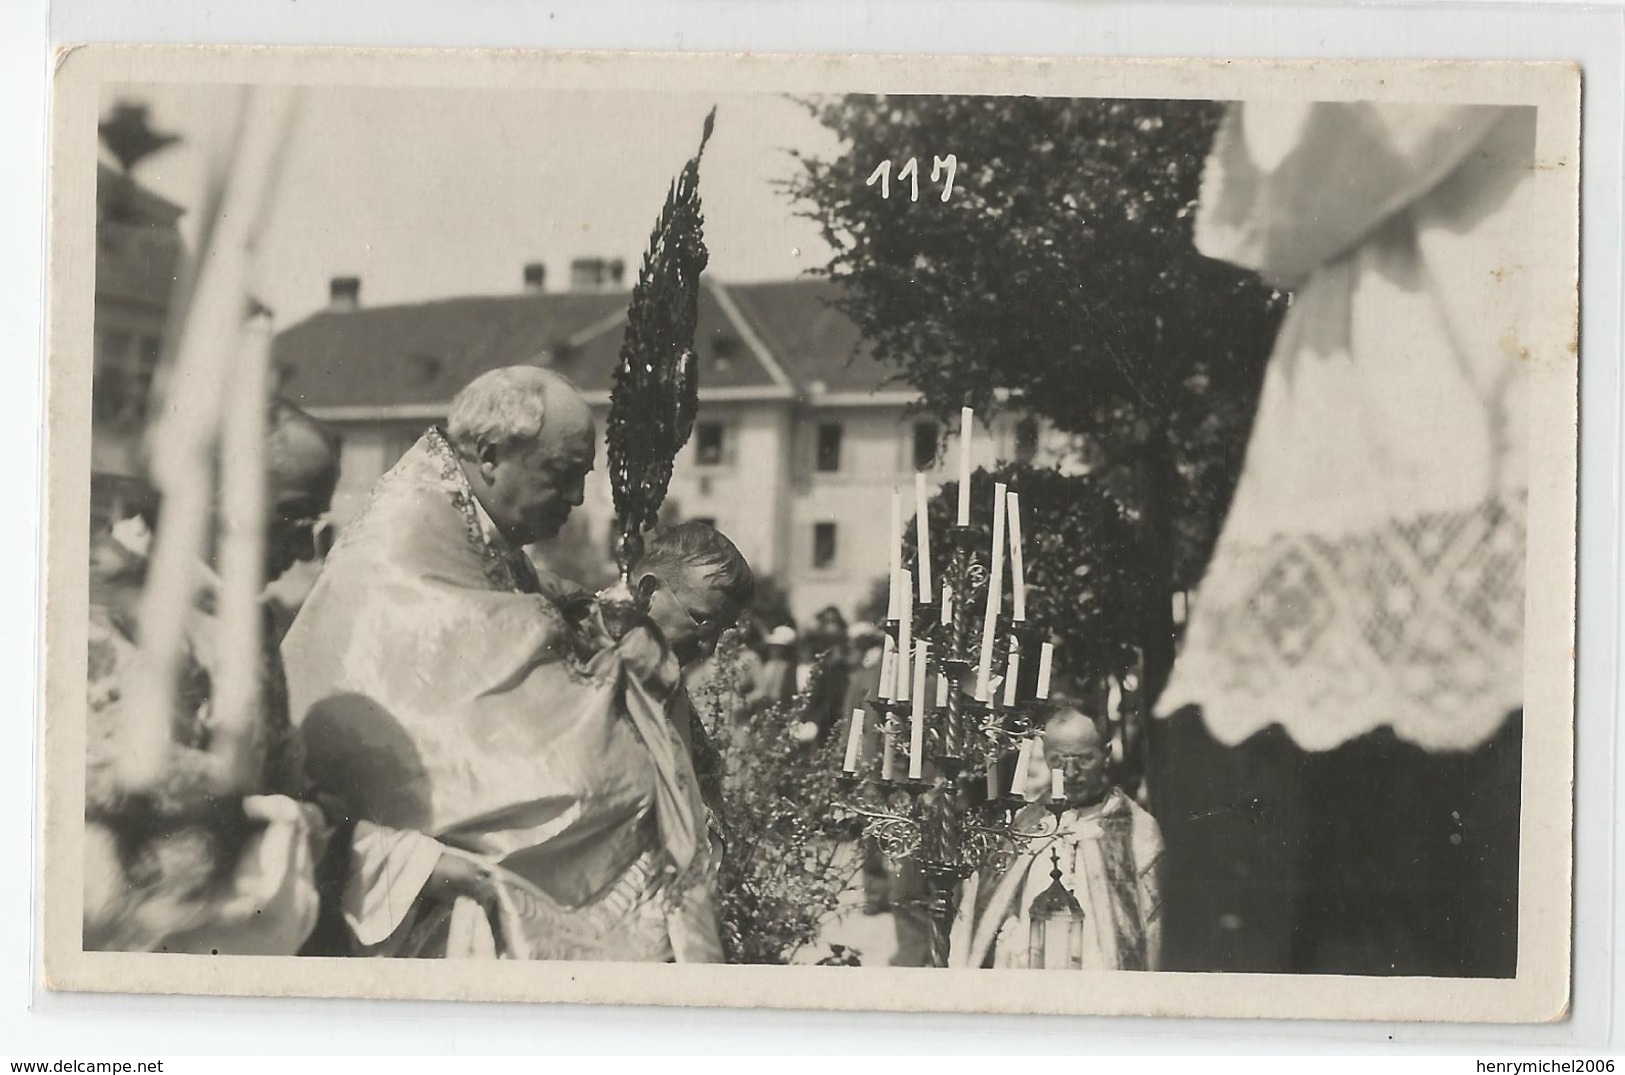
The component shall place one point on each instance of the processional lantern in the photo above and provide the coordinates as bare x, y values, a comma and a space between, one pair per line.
1056, 922
656, 393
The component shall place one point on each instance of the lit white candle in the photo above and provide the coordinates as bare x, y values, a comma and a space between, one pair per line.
854, 741
1024, 762
966, 417
995, 596
905, 635
888, 757
1018, 577
992, 780
888, 670
947, 616
916, 742
1010, 672
891, 596
1057, 785
942, 692
894, 549
922, 537
1046, 662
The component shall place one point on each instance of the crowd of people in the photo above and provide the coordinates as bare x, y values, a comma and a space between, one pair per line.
830, 666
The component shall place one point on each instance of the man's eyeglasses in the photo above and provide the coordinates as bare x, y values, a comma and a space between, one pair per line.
704, 622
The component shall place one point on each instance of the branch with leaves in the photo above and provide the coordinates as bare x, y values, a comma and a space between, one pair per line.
785, 863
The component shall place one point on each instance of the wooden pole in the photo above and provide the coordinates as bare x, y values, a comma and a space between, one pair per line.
236, 737
187, 427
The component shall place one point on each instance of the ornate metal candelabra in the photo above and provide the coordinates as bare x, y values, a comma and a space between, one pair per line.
946, 795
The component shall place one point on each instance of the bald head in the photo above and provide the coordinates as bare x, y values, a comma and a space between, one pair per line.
301, 454
1073, 744
301, 470
526, 440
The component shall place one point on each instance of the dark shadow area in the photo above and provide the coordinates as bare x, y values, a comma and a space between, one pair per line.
1376, 858
359, 757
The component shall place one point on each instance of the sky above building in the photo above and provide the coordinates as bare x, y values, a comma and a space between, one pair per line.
434, 193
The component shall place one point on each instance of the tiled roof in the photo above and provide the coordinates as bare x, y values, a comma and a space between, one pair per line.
422, 353
779, 339
818, 346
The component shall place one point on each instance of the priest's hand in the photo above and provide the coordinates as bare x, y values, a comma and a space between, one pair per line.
455, 875
649, 659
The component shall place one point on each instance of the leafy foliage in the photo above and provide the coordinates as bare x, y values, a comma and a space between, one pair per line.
785, 863
1085, 580
1059, 278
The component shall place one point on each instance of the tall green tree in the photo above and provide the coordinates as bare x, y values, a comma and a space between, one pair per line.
1058, 276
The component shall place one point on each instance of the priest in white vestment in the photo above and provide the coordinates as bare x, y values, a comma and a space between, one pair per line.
1107, 851
513, 781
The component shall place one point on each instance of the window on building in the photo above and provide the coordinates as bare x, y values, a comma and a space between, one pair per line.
109, 394
724, 349
149, 348
116, 389
925, 445
829, 447
115, 347
710, 443
823, 545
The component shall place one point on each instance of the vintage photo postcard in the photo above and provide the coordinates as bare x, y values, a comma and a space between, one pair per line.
817, 531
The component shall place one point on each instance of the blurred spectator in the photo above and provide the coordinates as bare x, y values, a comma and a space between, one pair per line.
826, 705
776, 681
201, 862
863, 684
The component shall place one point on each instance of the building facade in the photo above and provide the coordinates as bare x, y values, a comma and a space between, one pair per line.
138, 255
800, 439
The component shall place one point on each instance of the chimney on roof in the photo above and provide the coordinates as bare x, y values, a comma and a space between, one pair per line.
596, 274
535, 278
344, 293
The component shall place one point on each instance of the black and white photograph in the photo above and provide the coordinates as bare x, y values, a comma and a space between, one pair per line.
519, 516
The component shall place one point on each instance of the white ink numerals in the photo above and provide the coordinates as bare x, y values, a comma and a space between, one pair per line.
940, 167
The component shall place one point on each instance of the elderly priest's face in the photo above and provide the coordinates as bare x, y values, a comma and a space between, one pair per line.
533, 486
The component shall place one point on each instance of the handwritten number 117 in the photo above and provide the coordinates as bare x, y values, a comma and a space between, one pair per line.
948, 165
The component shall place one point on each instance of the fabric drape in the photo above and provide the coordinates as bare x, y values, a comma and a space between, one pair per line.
1370, 571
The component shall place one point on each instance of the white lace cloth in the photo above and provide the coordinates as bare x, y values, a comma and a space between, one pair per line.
1370, 572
